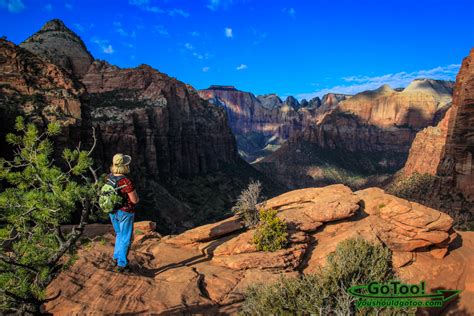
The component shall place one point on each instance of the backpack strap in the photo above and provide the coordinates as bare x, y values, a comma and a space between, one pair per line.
114, 180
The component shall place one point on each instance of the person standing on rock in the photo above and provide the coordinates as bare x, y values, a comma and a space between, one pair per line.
122, 218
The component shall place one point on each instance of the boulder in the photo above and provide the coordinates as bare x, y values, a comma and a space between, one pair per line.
307, 209
404, 225
208, 232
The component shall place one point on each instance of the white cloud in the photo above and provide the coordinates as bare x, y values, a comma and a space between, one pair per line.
290, 11
108, 49
205, 69
194, 33
48, 7
147, 6
189, 46
175, 12
79, 27
119, 29
160, 29
396, 80
228, 32
104, 45
214, 5
259, 36
12, 5
242, 67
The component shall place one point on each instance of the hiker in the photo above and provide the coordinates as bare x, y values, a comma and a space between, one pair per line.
122, 217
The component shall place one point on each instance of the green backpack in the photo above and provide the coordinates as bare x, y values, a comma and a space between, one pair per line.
110, 198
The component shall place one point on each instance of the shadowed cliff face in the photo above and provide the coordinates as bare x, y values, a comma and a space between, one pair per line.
443, 154
184, 153
460, 139
262, 124
160, 121
38, 89
366, 136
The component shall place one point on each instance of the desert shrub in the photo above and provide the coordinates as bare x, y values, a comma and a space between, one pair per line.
355, 262
39, 197
246, 206
415, 185
270, 234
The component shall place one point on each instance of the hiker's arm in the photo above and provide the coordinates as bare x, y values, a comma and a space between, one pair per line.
133, 197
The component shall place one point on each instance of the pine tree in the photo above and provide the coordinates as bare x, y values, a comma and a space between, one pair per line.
40, 195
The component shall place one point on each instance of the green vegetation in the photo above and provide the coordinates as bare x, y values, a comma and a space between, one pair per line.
246, 206
270, 234
416, 184
40, 196
355, 262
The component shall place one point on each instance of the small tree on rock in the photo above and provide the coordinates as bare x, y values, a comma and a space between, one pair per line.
246, 206
40, 196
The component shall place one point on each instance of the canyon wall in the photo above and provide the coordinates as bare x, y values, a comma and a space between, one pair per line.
263, 123
184, 153
367, 135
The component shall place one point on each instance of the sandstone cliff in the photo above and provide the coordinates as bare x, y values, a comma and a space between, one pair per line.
183, 150
366, 135
39, 89
207, 269
263, 123
442, 155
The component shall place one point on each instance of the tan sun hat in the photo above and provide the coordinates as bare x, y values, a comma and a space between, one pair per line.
121, 160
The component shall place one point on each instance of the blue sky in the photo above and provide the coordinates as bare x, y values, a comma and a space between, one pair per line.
301, 48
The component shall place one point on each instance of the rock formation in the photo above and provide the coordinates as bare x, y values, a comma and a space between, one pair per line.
459, 150
182, 147
62, 46
369, 134
262, 124
208, 268
33, 86
445, 152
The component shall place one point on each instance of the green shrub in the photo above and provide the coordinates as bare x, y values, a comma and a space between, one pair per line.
246, 206
270, 234
415, 185
355, 262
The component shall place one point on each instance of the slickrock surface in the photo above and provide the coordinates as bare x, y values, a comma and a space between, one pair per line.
208, 268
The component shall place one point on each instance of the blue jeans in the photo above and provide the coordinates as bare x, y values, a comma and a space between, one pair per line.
123, 226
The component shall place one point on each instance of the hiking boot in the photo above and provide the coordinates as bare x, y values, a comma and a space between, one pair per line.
112, 264
120, 269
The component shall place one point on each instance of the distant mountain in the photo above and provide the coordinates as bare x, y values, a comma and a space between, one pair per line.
362, 140
184, 154
62, 46
261, 124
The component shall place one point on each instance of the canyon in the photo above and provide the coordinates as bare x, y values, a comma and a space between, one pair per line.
261, 124
363, 140
183, 150
318, 161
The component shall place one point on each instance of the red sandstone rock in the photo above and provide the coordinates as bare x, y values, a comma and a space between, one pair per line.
211, 266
